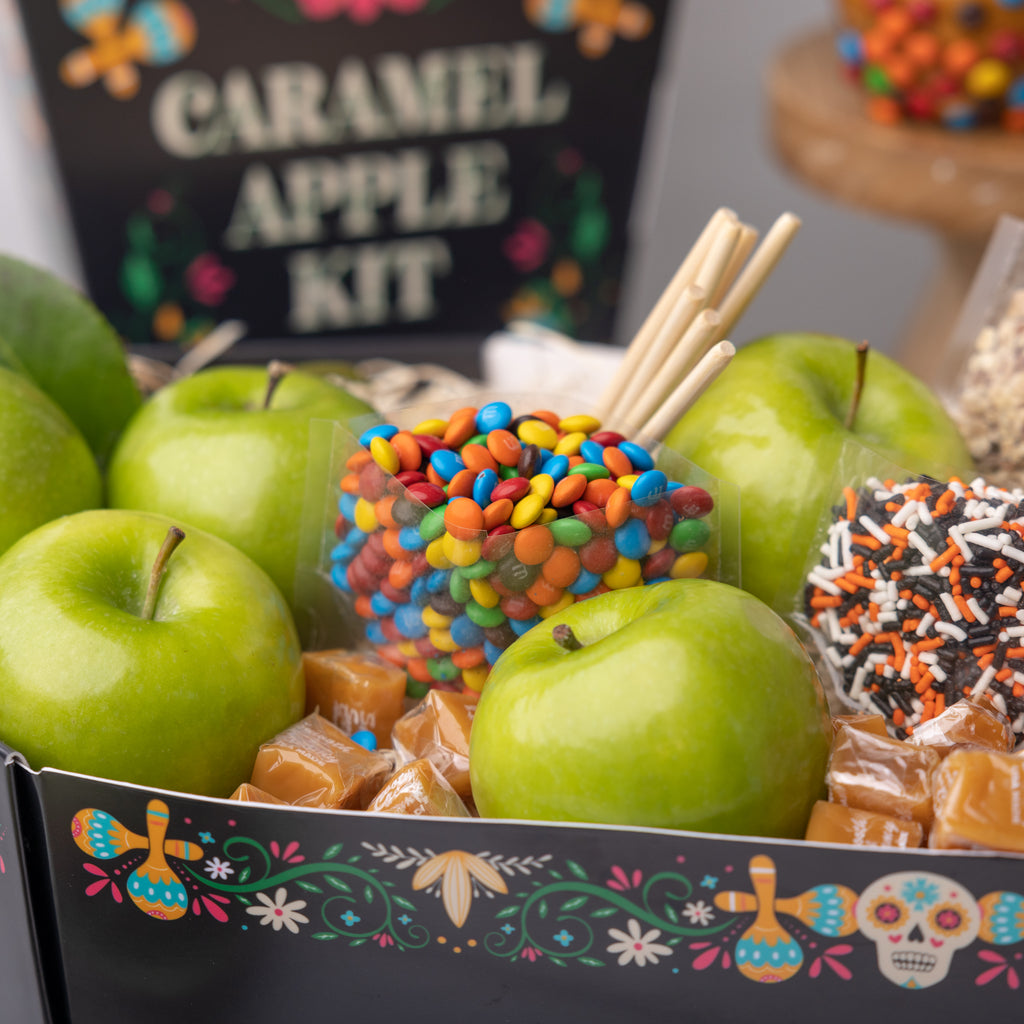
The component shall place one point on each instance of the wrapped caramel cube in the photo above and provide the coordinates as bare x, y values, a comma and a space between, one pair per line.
968, 722
881, 774
419, 788
978, 803
250, 794
834, 823
356, 690
869, 722
314, 764
438, 729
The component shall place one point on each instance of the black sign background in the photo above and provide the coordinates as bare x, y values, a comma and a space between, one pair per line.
142, 216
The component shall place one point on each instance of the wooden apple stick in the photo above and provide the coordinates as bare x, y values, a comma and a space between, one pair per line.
744, 247
693, 300
211, 347
694, 343
688, 391
761, 264
669, 299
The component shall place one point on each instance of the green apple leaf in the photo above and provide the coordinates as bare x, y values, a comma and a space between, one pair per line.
52, 334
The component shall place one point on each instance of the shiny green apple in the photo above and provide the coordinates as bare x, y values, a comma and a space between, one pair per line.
46, 467
210, 451
774, 424
177, 695
688, 705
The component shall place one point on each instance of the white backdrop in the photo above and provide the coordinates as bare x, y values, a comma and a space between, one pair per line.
847, 272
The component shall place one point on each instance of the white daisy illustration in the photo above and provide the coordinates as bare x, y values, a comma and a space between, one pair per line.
699, 912
636, 947
277, 912
217, 868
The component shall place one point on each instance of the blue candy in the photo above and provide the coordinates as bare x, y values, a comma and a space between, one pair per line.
465, 632
365, 739
639, 457
592, 452
409, 622
648, 487
632, 539
521, 626
486, 481
493, 416
347, 506
419, 592
557, 466
584, 583
492, 652
385, 430
438, 581
340, 579
446, 463
409, 539
375, 634
381, 605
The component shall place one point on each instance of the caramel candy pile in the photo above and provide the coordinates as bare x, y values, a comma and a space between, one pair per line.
363, 745
953, 785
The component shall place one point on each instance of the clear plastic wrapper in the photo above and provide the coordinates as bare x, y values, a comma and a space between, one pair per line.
357, 690
974, 722
836, 823
314, 764
249, 794
978, 802
418, 787
437, 729
447, 531
882, 774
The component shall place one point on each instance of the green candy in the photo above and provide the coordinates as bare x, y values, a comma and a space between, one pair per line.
570, 532
415, 689
432, 524
484, 617
477, 570
591, 470
443, 669
689, 535
458, 586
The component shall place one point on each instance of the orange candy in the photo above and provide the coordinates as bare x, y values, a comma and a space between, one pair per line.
562, 567
568, 489
463, 518
504, 446
599, 491
409, 454
497, 513
533, 544
461, 485
477, 458
618, 506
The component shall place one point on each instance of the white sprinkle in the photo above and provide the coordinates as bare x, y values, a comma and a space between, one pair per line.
999, 701
938, 673
957, 538
915, 540
988, 541
919, 570
857, 686
948, 629
954, 613
979, 613
1011, 552
981, 524
1009, 596
901, 516
983, 682
833, 655
928, 658
819, 581
927, 620
875, 530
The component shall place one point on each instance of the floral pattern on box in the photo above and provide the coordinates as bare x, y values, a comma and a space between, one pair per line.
532, 906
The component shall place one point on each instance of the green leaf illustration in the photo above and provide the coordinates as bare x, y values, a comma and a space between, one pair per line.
338, 883
324, 935
508, 911
604, 912
574, 904
577, 870
332, 851
590, 961
308, 886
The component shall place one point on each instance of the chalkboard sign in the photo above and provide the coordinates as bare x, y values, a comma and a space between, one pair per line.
331, 169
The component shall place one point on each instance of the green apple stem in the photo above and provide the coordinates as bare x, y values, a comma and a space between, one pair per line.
858, 385
565, 637
175, 535
277, 370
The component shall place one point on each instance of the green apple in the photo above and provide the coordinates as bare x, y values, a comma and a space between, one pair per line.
168, 678
46, 467
774, 424
687, 704
211, 451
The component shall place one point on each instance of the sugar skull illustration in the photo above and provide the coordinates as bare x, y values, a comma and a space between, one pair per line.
917, 920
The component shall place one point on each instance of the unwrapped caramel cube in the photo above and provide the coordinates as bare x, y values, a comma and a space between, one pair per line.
868, 722
979, 802
356, 690
314, 764
968, 722
419, 788
248, 793
881, 774
834, 823
438, 729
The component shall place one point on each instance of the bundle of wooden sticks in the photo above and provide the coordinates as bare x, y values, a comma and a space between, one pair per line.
682, 345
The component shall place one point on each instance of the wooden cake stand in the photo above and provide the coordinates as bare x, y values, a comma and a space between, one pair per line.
957, 184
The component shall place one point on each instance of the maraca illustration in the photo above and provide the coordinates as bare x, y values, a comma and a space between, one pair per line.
766, 951
156, 32
153, 886
598, 21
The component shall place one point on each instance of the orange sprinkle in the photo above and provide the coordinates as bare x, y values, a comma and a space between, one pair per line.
851, 502
945, 558
898, 717
825, 601
1018, 689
